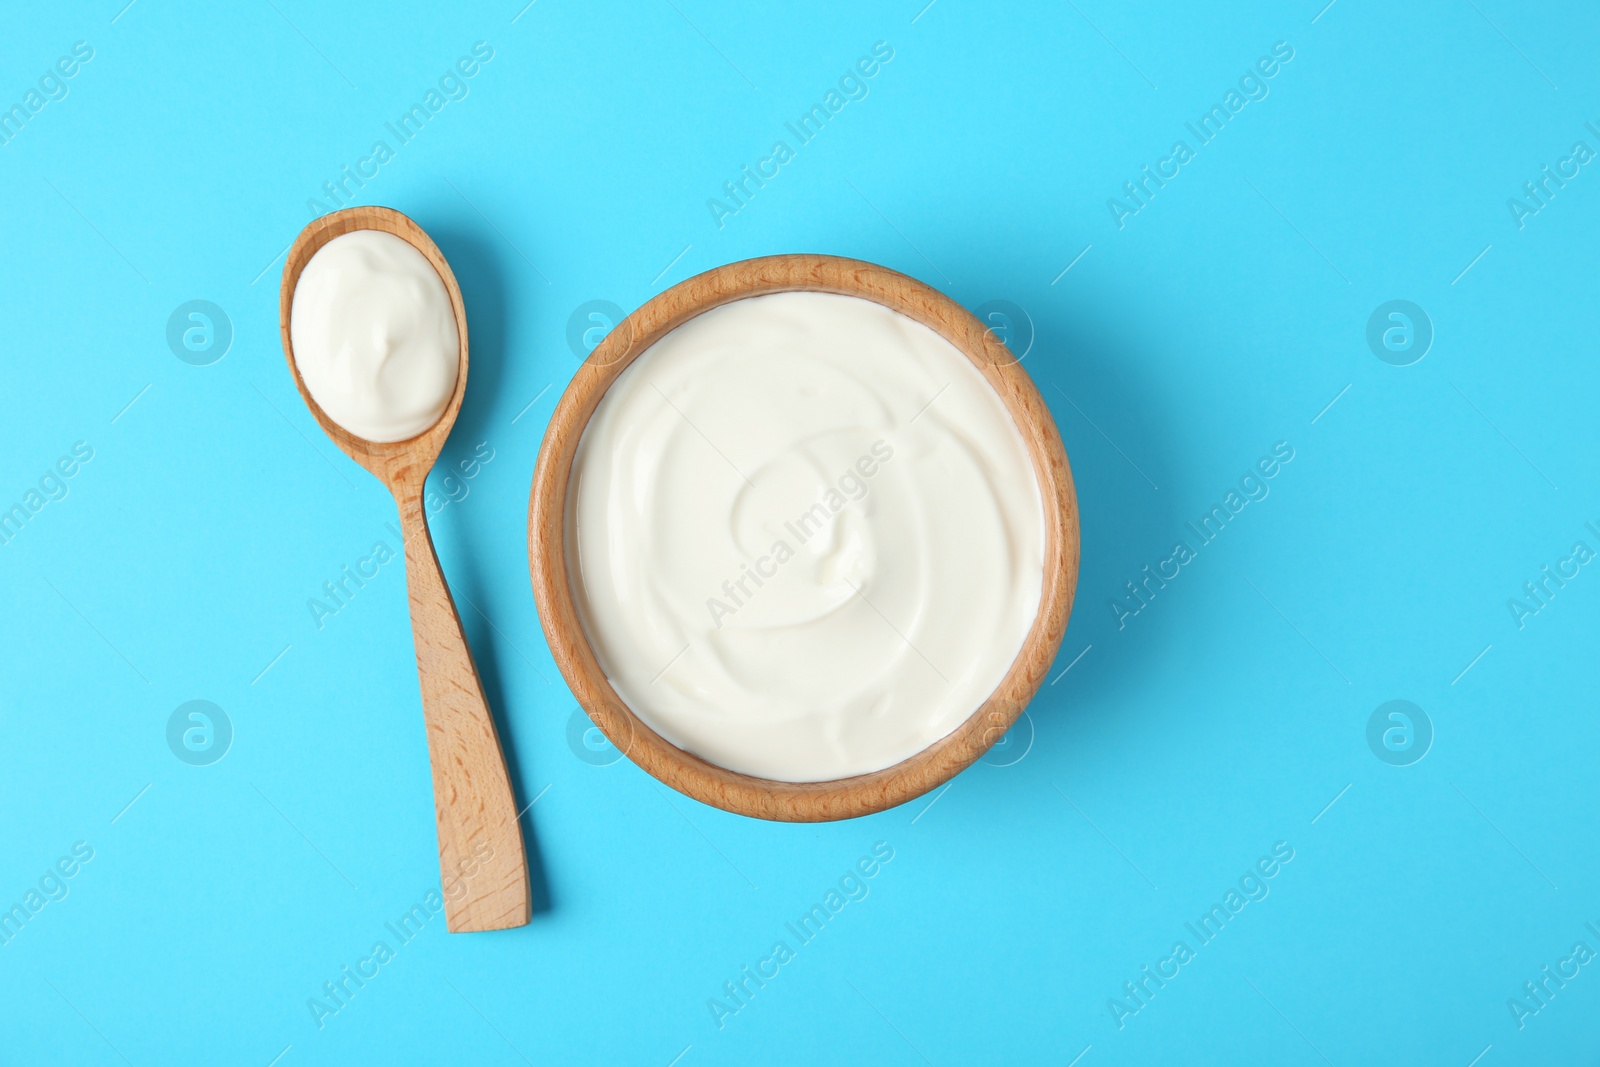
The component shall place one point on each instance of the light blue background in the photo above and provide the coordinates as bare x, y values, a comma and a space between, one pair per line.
1223, 718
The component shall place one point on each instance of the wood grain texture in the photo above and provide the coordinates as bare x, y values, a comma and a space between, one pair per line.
552, 587
483, 868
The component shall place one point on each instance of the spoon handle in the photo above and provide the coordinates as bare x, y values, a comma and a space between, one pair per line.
482, 866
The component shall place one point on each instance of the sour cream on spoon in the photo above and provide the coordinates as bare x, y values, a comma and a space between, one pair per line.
374, 336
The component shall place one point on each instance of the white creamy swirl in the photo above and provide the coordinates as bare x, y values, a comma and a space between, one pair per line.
805, 538
374, 336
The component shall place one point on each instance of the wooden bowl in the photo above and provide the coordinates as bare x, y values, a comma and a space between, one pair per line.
763, 798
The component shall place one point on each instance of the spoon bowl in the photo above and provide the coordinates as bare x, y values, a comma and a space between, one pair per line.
398, 464
482, 863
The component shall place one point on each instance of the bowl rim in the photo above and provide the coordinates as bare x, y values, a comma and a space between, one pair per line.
720, 787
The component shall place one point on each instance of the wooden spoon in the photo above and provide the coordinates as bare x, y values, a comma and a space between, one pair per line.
483, 869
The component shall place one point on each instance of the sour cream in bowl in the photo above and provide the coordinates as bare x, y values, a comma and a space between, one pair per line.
804, 536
